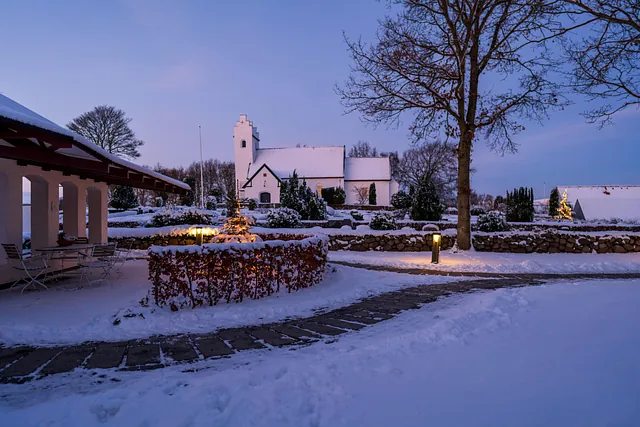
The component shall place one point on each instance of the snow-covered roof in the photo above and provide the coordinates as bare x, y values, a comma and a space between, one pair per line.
605, 201
83, 148
308, 162
367, 169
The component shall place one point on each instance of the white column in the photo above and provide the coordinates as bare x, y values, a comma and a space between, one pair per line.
44, 212
10, 206
74, 209
98, 211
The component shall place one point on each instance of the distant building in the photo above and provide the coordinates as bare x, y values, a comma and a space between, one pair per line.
604, 202
259, 171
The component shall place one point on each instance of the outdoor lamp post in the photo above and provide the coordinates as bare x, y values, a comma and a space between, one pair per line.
435, 248
199, 236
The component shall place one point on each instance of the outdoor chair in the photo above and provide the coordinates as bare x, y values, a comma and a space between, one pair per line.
35, 266
123, 255
102, 258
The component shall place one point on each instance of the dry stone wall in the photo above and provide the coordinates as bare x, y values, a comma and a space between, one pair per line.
549, 241
555, 242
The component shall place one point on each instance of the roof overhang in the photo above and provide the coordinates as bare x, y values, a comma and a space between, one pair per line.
31, 145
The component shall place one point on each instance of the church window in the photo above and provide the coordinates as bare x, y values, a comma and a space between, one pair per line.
244, 143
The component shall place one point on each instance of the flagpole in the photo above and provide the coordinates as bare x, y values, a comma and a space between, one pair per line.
202, 205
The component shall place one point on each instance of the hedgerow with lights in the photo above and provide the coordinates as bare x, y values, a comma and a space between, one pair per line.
194, 276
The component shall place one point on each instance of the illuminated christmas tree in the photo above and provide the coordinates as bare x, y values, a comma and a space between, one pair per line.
564, 210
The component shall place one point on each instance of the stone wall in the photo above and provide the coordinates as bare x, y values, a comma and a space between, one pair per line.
386, 242
555, 242
547, 242
344, 242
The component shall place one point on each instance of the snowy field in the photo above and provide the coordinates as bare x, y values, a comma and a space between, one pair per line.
495, 262
557, 355
66, 315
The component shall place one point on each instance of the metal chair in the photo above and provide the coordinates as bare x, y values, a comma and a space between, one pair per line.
35, 266
102, 257
123, 255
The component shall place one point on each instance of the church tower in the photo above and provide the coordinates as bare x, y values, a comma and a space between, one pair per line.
246, 142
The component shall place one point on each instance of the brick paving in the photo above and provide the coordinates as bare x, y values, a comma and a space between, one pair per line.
20, 364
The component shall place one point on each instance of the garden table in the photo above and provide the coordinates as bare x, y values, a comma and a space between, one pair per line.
78, 248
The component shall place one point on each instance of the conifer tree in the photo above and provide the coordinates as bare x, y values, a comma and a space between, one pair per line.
426, 204
554, 202
372, 194
124, 197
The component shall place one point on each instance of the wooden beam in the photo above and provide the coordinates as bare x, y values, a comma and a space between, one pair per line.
50, 138
55, 160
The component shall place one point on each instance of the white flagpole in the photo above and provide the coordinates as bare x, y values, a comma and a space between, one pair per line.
202, 205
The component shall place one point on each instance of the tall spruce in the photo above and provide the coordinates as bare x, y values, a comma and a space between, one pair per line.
554, 202
426, 204
372, 194
519, 205
301, 199
124, 197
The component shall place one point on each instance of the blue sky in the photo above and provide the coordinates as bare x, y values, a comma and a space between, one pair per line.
175, 65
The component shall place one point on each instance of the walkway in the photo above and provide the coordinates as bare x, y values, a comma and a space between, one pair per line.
21, 364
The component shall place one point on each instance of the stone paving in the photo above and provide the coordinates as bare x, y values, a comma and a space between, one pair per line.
21, 364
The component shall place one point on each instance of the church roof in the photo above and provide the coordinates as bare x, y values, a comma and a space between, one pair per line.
308, 162
605, 201
367, 169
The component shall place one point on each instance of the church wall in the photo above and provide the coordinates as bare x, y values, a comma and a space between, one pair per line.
383, 191
263, 184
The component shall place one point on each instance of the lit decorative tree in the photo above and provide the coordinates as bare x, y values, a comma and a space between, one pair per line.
564, 211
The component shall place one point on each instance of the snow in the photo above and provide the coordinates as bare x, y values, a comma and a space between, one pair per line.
65, 315
603, 202
360, 230
559, 355
495, 262
15, 111
598, 209
170, 230
367, 169
308, 162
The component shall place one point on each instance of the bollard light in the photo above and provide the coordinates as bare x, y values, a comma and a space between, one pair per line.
435, 248
199, 236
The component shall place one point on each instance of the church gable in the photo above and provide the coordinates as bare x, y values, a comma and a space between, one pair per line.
264, 169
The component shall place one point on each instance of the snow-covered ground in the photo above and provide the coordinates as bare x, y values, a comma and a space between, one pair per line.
495, 262
558, 355
63, 315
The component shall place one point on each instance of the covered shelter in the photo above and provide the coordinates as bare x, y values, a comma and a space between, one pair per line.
53, 157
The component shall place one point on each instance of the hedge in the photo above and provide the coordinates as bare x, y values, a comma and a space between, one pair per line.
193, 276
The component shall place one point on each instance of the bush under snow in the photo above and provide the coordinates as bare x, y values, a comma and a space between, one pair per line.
492, 221
283, 218
191, 216
383, 221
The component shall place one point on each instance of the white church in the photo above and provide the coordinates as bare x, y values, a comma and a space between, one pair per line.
259, 171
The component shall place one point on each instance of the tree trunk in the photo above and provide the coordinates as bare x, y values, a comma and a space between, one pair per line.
464, 190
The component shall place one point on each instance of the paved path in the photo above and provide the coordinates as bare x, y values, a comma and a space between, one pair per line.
21, 364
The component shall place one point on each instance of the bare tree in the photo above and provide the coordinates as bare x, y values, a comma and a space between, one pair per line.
362, 195
436, 60
394, 161
363, 149
606, 57
436, 162
218, 177
108, 127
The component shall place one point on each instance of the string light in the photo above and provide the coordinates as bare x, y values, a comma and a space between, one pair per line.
564, 210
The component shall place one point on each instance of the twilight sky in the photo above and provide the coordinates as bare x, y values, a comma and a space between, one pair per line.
175, 65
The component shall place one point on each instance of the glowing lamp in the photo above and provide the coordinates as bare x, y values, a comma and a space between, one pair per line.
199, 236
435, 248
